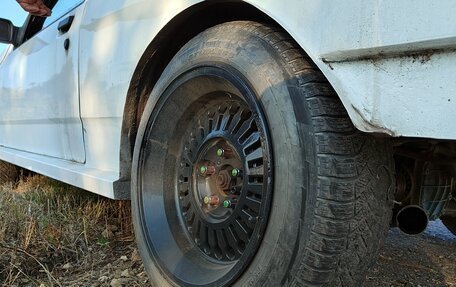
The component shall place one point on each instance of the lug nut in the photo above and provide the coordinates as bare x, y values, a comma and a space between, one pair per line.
235, 172
220, 152
229, 203
207, 170
203, 169
211, 200
225, 152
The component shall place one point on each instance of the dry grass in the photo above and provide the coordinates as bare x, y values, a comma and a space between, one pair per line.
47, 226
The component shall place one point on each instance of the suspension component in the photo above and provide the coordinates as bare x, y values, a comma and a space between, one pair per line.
424, 185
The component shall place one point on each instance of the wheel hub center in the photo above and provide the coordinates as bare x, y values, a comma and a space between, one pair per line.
224, 180
217, 173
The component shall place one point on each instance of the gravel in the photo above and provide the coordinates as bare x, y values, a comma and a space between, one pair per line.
428, 259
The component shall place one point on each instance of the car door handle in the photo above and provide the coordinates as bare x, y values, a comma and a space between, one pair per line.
65, 24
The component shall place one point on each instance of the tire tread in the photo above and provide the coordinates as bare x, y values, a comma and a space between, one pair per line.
349, 226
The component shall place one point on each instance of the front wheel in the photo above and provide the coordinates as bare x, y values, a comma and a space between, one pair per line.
248, 172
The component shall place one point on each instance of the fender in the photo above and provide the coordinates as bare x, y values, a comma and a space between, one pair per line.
380, 66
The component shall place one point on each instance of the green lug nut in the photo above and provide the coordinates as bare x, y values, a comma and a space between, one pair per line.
225, 152
220, 152
203, 169
235, 172
207, 169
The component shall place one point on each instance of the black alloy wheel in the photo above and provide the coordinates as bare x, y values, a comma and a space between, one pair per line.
217, 186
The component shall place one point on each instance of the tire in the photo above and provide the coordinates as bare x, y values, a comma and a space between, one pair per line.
8, 172
326, 189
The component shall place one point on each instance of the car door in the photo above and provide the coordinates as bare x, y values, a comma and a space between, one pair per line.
39, 92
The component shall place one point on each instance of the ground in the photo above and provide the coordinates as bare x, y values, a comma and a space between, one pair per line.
428, 259
55, 235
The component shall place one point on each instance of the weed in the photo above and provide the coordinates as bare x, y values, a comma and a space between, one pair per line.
45, 224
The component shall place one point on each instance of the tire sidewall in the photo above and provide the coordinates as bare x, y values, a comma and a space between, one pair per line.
293, 147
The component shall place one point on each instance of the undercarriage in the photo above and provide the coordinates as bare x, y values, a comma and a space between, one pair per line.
425, 184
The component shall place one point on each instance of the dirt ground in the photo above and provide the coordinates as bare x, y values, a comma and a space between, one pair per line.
55, 235
425, 260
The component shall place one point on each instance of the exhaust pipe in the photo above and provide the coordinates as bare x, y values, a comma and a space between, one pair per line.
412, 219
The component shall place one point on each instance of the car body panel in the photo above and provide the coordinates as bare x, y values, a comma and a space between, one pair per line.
76, 174
39, 96
113, 38
391, 62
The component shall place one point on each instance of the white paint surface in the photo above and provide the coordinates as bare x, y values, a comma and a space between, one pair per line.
39, 95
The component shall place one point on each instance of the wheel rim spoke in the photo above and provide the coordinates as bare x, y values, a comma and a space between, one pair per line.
223, 142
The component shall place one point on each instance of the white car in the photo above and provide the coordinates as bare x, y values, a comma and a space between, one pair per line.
262, 142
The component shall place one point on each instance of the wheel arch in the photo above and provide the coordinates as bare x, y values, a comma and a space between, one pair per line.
162, 49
